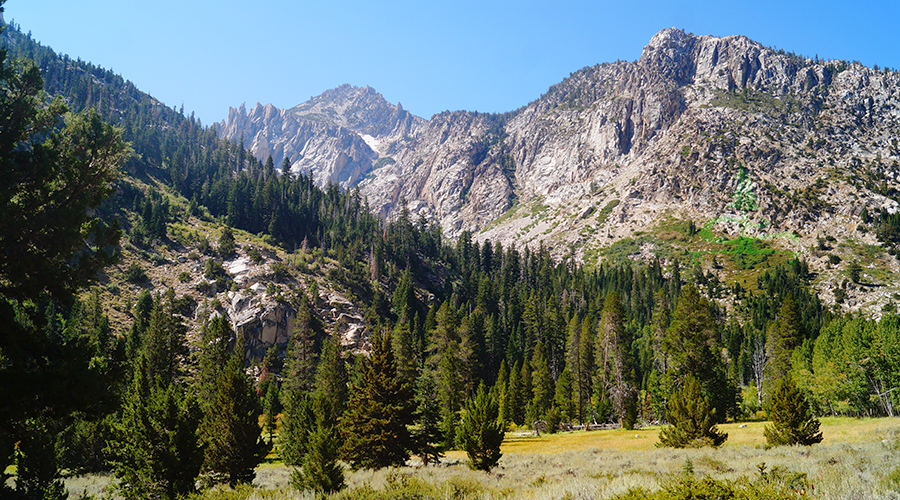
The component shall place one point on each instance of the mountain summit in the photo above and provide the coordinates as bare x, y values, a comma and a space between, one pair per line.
337, 137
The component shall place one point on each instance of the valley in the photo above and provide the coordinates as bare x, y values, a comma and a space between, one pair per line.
344, 300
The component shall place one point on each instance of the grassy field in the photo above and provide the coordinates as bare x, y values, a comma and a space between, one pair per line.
858, 459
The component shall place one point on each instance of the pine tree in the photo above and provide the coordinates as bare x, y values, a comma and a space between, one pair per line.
615, 366
783, 336
564, 396
163, 341
582, 358
374, 427
427, 436
407, 366
156, 450
543, 387
526, 392
215, 340
691, 348
300, 359
502, 389
445, 361
297, 420
301, 377
514, 404
270, 409
481, 432
330, 382
320, 470
792, 420
231, 426
692, 419
37, 473
226, 243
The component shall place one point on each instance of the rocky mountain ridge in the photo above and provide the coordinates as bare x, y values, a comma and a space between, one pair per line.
336, 137
740, 139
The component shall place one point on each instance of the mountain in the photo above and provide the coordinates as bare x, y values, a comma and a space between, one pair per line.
719, 133
337, 137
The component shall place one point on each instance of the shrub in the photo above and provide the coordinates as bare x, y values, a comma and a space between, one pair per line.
204, 247
135, 273
279, 271
254, 255
792, 421
481, 431
693, 419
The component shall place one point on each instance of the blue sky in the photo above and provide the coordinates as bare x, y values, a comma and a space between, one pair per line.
431, 56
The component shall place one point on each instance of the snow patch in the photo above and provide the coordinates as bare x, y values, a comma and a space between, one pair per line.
372, 142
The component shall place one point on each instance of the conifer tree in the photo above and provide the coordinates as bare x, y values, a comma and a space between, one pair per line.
526, 392
615, 367
301, 376
784, 334
792, 420
226, 243
331, 379
157, 452
691, 348
37, 473
543, 387
300, 359
471, 350
563, 396
481, 432
270, 409
163, 341
215, 340
297, 420
445, 361
427, 436
320, 470
692, 419
407, 366
231, 426
581, 362
374, 427
502, 388
514, 404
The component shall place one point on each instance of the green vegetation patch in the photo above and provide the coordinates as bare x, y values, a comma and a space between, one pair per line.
383, 161
752, 253
753, 101
604, 213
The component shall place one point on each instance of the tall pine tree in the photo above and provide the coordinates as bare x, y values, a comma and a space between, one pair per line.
375, 426
231, 426
157, 452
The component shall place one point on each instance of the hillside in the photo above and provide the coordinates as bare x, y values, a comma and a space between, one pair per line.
733, 137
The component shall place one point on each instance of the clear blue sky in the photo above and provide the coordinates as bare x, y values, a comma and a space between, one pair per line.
431, 56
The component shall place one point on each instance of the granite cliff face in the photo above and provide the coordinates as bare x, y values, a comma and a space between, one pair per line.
740, 138
336, 137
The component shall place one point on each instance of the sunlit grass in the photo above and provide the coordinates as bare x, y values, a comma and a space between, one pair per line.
857, 459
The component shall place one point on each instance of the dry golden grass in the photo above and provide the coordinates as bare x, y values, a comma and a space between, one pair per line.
857, 460
835, 430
